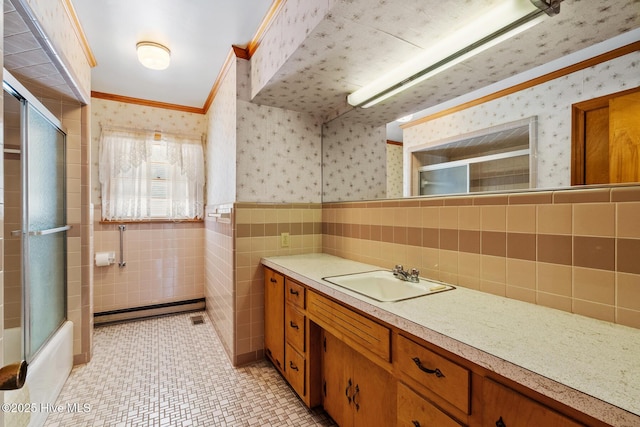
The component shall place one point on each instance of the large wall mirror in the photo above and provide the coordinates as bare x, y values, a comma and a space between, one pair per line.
365, 159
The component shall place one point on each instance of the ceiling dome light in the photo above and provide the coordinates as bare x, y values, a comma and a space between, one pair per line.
153, 55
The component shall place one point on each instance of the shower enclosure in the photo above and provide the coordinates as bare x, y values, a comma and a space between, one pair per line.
35, 224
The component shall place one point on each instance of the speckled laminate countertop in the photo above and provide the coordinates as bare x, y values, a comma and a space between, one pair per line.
590, 365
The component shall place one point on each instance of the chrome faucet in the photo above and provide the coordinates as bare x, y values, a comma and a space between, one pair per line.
408, 276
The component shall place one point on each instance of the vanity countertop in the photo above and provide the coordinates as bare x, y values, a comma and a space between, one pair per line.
588, 364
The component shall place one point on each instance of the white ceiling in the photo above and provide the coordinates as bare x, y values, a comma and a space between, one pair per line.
352, 45
361, 39
199, 34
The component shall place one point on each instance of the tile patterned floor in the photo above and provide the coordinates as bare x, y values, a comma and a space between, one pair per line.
168, 372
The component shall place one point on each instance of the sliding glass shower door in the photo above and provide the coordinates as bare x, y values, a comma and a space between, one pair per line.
42, 225
45, 228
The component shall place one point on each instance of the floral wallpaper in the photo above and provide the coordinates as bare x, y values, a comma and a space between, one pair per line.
112, 113
354, 161
53, 17
221, 142
257, 153
550, 102
289, 29
279, 155
394, 171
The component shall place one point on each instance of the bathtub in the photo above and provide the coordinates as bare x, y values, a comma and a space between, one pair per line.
45, 377
12, 340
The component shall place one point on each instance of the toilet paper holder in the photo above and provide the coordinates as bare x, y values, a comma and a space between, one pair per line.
101, 257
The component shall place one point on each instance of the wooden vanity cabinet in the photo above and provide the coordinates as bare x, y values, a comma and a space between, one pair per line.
295, 327
414, 410
505, 407
367, 373
274, 317
291, 342
357, 392
433, 375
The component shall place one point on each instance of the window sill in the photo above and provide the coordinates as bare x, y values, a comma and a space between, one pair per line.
151, 221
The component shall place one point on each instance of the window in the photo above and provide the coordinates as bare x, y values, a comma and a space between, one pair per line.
148, 175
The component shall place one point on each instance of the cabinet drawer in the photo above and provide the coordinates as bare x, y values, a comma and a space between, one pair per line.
413, 410
295, 293
295, 368
295, 327
427, 371
350, 327
516, 410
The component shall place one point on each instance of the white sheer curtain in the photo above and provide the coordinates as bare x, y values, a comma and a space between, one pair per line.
146, 177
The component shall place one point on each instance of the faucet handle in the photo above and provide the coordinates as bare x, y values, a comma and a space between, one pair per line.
398, 268
415, 275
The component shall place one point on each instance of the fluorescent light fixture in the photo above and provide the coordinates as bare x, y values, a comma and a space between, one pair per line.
153, 55
500, 23
405, 119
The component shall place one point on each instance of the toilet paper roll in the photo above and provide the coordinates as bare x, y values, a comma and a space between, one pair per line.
102, 259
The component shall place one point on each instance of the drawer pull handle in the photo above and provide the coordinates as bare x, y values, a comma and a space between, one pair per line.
346, 390
293, 325
436, 371
415, 423
292, 292
354, 397
500, 423
293, 366
272, 280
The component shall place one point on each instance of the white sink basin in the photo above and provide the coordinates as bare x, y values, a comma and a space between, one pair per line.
383, 286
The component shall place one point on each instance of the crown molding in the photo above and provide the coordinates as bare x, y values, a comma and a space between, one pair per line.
273, 11
223, 72
241, 52
244, 52
77, 28
146, 102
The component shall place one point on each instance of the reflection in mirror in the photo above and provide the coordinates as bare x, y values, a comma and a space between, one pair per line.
605, 150
355, 165
499, 158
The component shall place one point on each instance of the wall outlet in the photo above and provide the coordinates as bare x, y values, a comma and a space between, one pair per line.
284, 240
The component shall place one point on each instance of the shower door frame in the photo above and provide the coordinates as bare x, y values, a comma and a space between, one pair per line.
14, 88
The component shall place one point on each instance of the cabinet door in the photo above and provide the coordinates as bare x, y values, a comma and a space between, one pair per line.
503, 406
274, 317
358, 392
338, 381
374, 396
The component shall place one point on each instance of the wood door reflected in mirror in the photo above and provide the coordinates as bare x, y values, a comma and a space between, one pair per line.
624, 138
606, 139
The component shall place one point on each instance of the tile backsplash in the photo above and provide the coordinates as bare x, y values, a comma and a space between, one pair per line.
570, 250
575, 250
234, 274
165, 263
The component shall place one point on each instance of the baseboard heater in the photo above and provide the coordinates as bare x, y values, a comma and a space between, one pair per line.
136, 313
